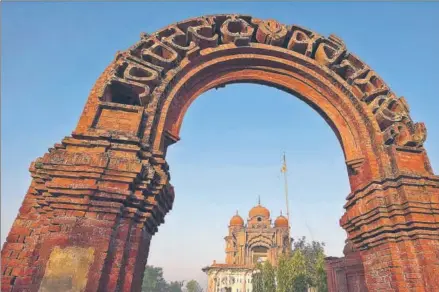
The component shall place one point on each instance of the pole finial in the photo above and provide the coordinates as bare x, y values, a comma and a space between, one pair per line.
284, 171
284, 165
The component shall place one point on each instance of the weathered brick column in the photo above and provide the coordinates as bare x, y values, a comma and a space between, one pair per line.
346, 273
83, 221
94, 202
394, 222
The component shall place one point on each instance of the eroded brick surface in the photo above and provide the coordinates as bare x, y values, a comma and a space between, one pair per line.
107, 186
346, 273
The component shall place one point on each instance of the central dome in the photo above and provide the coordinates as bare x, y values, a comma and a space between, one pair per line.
259, 211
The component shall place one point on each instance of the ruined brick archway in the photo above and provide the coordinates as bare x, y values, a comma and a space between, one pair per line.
97, 198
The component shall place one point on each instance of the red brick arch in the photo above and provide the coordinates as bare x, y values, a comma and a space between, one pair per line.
97, 198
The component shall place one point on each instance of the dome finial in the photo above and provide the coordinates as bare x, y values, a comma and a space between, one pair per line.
259, 200
281, 221
237, 212
236, 220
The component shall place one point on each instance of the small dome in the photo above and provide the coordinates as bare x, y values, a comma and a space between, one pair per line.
236, 220
259, 211
281, 221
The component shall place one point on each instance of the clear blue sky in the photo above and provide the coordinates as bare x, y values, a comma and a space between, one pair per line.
232, 138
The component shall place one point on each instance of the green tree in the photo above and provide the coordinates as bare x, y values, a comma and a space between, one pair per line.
283, 274
314, 261
175, 286
257, 279
153, 280
298, 271
268, 277
321, 281
304, 267
193, 286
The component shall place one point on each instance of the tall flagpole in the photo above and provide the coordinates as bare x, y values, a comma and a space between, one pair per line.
284, 171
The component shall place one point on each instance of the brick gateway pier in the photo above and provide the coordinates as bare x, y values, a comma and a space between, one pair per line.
97, 198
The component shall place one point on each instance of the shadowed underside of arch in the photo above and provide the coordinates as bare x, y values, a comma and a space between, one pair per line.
97, 198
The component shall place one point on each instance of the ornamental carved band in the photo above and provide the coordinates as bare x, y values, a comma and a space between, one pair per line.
97, 198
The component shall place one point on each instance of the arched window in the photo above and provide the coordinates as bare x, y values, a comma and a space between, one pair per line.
260, 253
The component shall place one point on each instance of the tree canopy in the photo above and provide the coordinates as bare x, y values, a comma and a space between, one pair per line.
193, 286
175, 286
153, 281
298, 271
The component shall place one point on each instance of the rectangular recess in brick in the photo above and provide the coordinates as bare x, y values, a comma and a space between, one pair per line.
121, 118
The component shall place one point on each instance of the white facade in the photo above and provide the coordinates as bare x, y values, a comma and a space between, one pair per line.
222, 279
